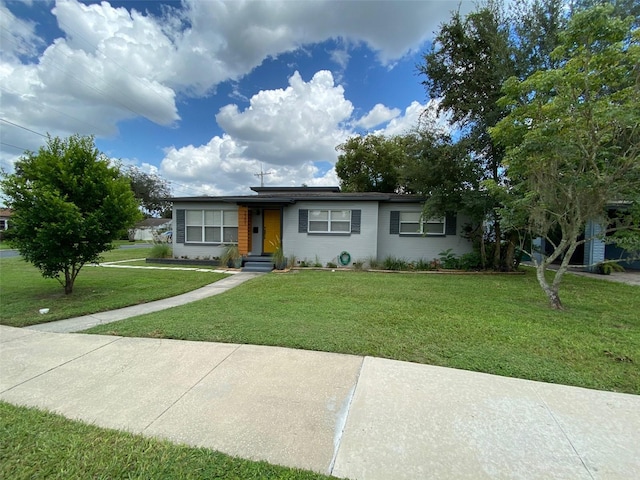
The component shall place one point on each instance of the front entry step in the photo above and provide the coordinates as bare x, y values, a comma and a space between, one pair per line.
258, 263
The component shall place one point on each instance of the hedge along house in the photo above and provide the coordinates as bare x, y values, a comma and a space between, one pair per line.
319, 224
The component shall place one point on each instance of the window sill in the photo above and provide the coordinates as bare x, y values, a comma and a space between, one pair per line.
202, 244
330, 234
413, 235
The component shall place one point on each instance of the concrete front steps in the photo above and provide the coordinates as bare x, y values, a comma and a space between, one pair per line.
258, 263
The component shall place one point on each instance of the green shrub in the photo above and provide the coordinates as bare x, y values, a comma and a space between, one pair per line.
231, 257
423, 264
161, 250
449, 259
393, 263
373, 263
470, 261
358, 265
331, 265
609, 266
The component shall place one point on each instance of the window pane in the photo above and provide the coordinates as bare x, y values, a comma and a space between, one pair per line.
194, 234
340, 227
212, 234
194, 217
231, 218
409, 228
212, 217
317, 215
318, 226
432, 228
231, 234
342, 215
413, 217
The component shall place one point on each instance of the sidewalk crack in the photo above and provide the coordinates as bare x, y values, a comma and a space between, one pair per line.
341, 422
61, 364
196, 383
566, 435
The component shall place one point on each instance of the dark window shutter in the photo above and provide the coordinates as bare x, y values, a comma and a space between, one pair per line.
303, 220
356, 220
180, 226
450, 226
394, 226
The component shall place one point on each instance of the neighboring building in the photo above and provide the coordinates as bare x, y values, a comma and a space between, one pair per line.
151, 228
314, 224
598, 249
5, 218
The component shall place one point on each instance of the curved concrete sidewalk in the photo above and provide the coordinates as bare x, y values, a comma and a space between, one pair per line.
77, 324
349, 416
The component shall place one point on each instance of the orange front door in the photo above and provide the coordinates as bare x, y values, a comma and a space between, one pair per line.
270, 230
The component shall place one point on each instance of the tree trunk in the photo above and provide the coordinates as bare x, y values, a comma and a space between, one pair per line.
550, 290
483, 247
497, 253
510, 255
68, 281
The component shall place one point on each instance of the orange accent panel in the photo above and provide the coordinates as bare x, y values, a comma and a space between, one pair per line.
244, 230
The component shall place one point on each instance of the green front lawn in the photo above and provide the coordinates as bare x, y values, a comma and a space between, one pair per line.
23, 291
40, 445
498, 324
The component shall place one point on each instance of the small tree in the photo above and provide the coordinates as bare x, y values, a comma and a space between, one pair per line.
68, 205
572, 138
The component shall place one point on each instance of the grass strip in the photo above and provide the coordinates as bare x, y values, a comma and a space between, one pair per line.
23, 291
494, 324
41, 445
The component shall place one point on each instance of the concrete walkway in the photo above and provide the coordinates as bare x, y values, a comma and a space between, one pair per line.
349, 416
77, 324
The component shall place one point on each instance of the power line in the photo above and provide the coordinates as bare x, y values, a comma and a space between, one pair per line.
13, 146
48, 107
24, 128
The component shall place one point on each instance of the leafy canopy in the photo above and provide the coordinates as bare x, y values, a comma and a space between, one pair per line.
68, 205
572, 136
370, 164
151, 191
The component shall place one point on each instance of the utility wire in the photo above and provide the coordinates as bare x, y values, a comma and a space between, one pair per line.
24, 128
48, 107
13, 146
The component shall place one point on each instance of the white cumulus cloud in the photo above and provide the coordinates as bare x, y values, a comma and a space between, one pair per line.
303, 122
110, 65
379, 114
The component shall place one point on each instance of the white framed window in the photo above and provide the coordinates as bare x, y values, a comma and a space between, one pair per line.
329, 221
415, 223
211, 226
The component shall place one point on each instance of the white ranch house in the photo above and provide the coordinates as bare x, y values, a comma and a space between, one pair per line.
314, 223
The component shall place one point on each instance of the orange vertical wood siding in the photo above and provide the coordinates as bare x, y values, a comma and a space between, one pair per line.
244, 230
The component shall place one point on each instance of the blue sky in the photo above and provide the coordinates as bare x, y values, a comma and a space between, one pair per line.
205, 92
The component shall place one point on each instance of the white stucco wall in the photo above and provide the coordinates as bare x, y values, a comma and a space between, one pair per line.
326, 247
413, 248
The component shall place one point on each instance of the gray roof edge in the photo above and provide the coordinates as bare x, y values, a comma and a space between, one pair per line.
326, 196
